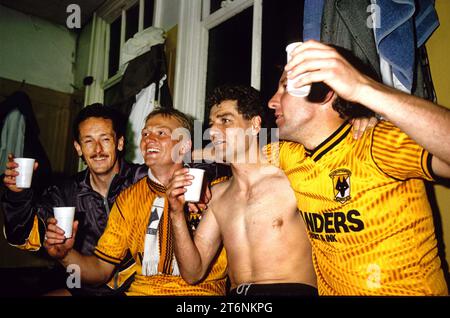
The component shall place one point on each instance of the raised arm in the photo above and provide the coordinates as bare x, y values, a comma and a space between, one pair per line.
425, 122
93, 270
194, 255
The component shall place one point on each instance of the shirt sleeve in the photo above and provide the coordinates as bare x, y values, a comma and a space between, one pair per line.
398, 156
112, 245
26, 213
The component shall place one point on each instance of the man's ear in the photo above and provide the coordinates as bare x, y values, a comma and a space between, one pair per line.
256, 124
120, 143
77, 148
328, 97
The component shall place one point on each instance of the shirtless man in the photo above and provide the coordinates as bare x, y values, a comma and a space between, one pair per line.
253, 214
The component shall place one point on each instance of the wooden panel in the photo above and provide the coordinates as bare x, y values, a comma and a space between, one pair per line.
54, 112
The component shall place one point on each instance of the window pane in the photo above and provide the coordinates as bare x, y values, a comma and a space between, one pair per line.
230, 52
215, 5
132, 21
114, 46
282, 24
148, 13
113, 95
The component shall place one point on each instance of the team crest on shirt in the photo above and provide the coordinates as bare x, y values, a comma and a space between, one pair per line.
341, 185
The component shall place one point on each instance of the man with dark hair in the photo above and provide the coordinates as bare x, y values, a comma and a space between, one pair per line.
253, 214
363, 201
139, 222
98, 139
97, 110
248, 100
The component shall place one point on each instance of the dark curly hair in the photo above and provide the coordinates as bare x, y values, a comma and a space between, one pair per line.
345, 109
97, 110
249, 103
349, 110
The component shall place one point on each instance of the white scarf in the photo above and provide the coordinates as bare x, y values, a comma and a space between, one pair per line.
151, 247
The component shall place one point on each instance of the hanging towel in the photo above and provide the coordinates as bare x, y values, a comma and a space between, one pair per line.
426, 20
145, 103
32, 146
312, 19
12, 137
403, 27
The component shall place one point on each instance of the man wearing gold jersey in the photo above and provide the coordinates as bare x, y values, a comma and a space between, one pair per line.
363, 201
139, 222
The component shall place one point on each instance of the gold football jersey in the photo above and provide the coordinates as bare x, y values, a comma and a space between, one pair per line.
126, 229
365, 207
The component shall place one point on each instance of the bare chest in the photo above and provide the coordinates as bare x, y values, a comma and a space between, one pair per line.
265, 205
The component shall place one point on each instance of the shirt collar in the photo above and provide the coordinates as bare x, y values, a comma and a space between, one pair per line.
155, 184
331, 142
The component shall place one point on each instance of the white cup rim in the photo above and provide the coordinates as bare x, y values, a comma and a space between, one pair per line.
290, 46
196, 169
24, 159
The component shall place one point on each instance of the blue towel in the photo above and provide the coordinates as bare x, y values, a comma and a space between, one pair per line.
403, 27
426, 20
312, 19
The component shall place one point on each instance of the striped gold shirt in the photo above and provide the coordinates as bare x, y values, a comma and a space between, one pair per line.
366, 210
126, 228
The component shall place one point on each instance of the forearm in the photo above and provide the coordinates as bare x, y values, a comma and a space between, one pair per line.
91, 269
426, 123
187, 254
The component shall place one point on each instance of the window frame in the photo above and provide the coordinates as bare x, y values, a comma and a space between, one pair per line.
110, 13
192, 60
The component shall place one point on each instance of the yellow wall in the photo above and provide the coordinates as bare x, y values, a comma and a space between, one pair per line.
438, 52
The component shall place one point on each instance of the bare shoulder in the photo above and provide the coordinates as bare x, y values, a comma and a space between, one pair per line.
220, 188
270, 174
217, 192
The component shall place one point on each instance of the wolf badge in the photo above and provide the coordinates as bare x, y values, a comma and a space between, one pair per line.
341, 185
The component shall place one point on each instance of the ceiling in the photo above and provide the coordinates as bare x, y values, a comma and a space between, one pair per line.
54, 10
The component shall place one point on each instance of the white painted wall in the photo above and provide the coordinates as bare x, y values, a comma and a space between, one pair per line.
37, 51
82, 55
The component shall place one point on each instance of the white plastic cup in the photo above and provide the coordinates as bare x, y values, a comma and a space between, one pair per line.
25, 170
64, 215
296, 91
195, 189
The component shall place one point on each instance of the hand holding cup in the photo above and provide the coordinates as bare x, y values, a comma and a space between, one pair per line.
295, 91
19, 173
194, 190
56, 244
184, 186
65, 216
